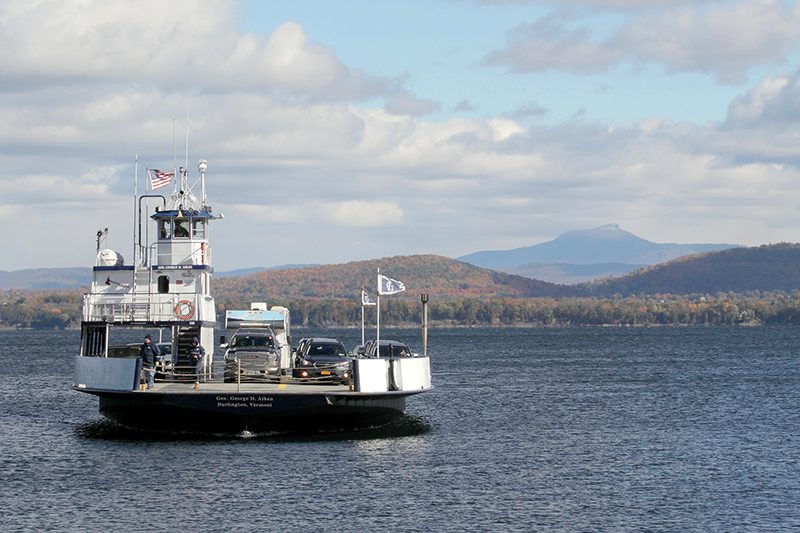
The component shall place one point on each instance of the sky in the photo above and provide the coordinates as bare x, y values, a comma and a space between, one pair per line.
350, 130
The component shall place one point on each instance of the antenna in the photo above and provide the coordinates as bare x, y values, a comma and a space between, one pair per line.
135, 194
186, 161
174, 155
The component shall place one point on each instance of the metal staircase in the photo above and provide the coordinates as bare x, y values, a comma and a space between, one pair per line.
184, 368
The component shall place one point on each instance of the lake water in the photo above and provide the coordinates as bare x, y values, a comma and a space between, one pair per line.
596, 429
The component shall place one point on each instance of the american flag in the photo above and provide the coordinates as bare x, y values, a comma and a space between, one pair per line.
159, 178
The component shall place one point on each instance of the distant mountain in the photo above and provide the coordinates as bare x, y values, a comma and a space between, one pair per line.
766, 268
742, 285
255, 270
431, 274
741, 270
72, 278
46, 278
774, 267
598, 248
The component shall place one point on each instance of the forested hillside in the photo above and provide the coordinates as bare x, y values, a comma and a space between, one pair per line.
774, 267
439, 276
738, 286
45, 278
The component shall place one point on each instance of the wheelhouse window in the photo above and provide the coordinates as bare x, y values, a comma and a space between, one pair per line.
164, 228
198, 228
181, 228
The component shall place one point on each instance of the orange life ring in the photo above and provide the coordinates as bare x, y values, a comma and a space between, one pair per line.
184, 309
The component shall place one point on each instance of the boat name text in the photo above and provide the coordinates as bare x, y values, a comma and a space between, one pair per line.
244, 401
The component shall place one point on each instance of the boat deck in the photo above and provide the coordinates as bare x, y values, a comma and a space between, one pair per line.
211, 387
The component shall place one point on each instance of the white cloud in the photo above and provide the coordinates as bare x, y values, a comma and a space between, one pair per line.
775, 100
87, 188
725, 40
528, 110
601, 4
549, 44
265, 213
503, 129
169, 45
405, 104
348, 213
325, 177
358, 213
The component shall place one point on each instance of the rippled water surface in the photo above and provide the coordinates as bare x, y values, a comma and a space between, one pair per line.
597, 429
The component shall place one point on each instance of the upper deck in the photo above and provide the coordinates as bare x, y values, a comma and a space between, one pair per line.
169, 280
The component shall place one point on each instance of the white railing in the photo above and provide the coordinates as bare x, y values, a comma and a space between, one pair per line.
139, 307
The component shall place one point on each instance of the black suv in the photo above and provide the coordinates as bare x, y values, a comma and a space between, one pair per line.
321, 359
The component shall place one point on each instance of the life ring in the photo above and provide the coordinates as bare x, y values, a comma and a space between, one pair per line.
184, 309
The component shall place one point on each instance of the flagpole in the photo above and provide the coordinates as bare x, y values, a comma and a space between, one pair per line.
378, 319
362, 317
135, 193
185, 186
174, 152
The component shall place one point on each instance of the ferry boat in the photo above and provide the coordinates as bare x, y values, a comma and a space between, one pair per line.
166, 291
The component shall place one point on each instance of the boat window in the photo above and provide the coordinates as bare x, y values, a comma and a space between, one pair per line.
198, 228
164, 227
163, 284
181, 228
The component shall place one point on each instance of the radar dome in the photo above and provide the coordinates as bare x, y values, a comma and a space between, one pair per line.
109, 258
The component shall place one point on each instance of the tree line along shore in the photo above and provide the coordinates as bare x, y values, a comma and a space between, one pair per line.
62, 310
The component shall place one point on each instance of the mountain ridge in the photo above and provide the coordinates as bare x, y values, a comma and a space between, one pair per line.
769, 267
741, 285
436, 275
594, 249
426, 272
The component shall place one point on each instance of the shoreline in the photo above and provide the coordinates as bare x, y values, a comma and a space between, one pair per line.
444, 325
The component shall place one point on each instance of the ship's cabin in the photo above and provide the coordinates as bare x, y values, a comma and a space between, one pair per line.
182, 237
182, 228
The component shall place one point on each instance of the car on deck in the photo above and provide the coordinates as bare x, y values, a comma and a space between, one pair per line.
388, 348
322, 359
252, 355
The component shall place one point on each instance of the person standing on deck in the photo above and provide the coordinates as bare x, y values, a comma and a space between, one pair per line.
149, 352
196, 355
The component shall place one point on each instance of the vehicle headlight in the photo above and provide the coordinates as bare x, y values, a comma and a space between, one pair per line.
304, 374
